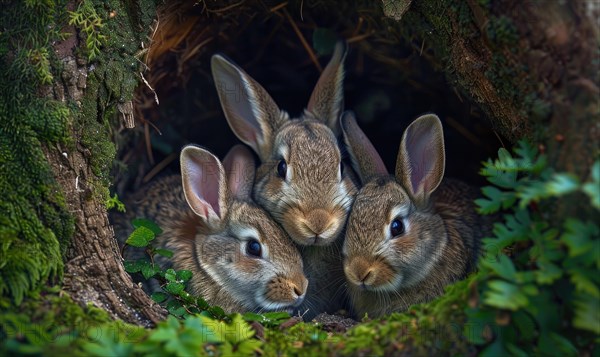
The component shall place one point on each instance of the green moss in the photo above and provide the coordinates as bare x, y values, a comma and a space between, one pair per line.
49, 323
35, 224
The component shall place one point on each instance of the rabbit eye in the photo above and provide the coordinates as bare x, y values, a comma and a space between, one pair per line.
396, 228
253, 248
282, 169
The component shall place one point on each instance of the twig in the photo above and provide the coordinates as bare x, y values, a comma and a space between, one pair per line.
307, 47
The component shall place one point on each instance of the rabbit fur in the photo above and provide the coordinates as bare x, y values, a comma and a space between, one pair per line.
300, 179
408, 235
209, 221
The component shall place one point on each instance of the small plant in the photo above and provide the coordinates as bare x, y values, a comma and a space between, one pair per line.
114, 202
538, 281
87, 20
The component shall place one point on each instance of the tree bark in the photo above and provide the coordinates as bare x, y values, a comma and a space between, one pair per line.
94, 271
531, 66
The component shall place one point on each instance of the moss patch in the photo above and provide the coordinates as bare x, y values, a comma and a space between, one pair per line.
35, 226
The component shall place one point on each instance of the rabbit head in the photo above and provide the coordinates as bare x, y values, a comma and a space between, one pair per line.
242, 252
301, 179
393, 237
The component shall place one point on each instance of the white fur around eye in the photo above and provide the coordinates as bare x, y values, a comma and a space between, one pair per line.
245, 234
401, 211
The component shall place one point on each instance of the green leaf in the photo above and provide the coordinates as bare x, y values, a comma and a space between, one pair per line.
159, 297
171, 275
592, 189
579, 237
217, 312
140, 237
561, 184
587, 313
502, 266
174, 288
505, 295
496, 200
184, 275
249, 347
583, 279
149, 270
146, 223
133, 266
548, 272
164, 252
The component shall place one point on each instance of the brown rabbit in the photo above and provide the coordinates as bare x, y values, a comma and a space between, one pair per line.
407, 238
301, 180
240, 258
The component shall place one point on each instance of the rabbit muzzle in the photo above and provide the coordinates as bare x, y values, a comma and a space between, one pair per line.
372, 275
286, 291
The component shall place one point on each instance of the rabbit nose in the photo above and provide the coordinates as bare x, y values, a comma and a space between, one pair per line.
318, 220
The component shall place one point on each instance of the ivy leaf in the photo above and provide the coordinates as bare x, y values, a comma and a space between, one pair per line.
134, 266
140, 237
171, 275
164, 252
149, 270
184, 275
174, 288
159, 296
146, 223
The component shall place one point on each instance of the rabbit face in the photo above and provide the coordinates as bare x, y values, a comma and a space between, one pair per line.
396, 250
300, 180
255, 260
242, 254
303, 185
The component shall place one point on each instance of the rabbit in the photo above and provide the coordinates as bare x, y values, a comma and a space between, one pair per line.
408, 235
301, 180
240, 258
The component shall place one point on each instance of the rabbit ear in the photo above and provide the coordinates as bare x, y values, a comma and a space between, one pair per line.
327, 99
250, 111
204, 184
365, 159
239, 167
421, 159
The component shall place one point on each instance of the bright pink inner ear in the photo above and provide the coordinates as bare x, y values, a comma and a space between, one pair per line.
202, 179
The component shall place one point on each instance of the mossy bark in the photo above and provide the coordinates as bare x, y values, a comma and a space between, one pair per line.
94, 271
531, 66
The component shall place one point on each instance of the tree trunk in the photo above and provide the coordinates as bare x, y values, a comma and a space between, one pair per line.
531, 66
94, 271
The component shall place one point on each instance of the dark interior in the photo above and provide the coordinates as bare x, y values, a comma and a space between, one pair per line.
389, 82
